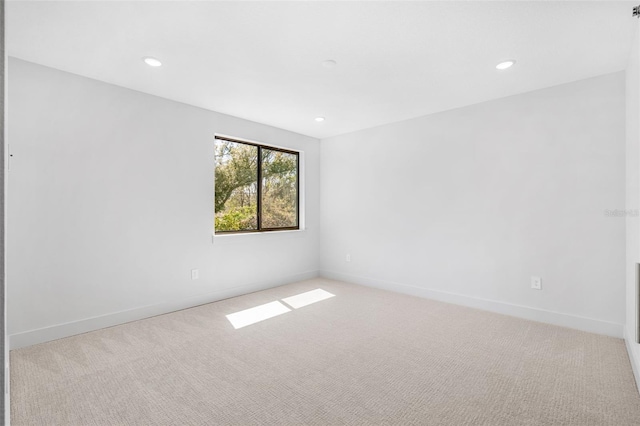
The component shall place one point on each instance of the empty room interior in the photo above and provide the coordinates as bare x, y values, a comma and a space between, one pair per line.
322, 213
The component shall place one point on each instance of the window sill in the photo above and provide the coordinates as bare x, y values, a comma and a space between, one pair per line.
256, 236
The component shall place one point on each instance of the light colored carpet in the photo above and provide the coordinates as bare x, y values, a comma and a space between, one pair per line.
363, 357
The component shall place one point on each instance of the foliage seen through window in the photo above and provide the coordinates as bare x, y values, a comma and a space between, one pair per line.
252, 195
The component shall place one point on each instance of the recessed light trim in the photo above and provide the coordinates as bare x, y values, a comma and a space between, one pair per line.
319, 119
505, 64
151, 61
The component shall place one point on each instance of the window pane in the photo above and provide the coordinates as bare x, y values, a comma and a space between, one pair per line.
279, 189
236, 193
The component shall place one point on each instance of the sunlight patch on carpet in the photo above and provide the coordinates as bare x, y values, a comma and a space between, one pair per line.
259, 313
307, 298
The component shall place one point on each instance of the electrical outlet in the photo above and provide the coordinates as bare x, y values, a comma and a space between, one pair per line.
195, 274
348, 258
536, 283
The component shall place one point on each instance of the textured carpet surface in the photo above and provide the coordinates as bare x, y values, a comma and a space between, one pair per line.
363, 357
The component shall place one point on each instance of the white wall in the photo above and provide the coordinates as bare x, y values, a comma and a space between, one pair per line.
6, 367
111, 206
466, 205
633, 200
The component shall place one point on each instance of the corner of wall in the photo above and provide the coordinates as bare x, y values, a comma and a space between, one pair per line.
633, 349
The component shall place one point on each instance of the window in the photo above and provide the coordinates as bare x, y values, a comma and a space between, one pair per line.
256, 187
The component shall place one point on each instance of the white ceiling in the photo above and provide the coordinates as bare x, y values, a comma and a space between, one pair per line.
262, 60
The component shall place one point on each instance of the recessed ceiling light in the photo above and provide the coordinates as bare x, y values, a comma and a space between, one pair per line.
506, 64
319, 119
152, 62
329, 63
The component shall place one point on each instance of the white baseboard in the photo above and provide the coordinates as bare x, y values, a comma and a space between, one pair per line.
535, 314
633, 349
58, 331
